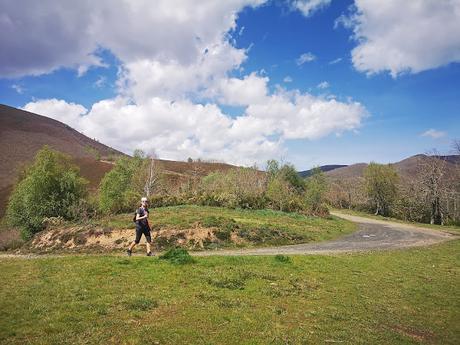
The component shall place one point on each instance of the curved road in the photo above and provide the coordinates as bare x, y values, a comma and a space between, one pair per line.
371, 235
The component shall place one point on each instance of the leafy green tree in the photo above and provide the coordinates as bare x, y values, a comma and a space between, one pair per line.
50, 187
381, 186
289, 174
272, 168
117, 191
315, 189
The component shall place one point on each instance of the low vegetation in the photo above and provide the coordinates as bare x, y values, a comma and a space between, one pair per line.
402, 297
191, 227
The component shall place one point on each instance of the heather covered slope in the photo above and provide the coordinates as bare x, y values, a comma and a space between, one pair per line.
23, 133
407, 168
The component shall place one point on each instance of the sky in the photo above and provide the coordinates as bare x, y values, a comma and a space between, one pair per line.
309, 82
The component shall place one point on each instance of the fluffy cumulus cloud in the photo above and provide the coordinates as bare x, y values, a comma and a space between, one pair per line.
69, 113
176, 76
179, 129
50, 35
404, 36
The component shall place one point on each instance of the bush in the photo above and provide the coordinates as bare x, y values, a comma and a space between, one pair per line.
117, 192
316, 187
50, 187
282, 258
178, 256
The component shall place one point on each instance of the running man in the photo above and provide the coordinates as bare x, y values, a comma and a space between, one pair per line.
142, 227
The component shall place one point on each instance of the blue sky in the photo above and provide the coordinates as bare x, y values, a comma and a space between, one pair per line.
372, 84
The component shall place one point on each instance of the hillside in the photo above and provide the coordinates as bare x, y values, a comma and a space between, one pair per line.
324, 168
23, 133
407, 168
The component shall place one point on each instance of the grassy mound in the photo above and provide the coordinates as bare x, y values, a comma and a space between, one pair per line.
193, 228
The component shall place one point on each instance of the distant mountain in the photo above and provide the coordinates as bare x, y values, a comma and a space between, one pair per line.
407, 168
324, 168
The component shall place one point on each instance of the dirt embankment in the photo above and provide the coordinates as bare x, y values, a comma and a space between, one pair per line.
89, 238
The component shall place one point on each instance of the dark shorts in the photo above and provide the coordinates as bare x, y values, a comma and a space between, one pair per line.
142, 230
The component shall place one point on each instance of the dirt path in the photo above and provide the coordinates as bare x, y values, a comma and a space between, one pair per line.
371, 235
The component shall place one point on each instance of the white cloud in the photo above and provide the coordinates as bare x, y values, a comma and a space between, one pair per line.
287, 79
18, 88
308, 7
333, 62
252, 89
100, 82
68, 113
306, 57
323, 85
50, 35
296, 115
433, 133
145, 78
179, 129
404, 36
171, 89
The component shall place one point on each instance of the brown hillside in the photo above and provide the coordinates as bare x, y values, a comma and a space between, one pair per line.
23, 133
407, 168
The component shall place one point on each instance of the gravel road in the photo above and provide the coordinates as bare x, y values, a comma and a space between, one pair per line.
371, 235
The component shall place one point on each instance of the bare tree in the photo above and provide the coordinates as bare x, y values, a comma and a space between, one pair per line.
456, 146
432, 169
153, 174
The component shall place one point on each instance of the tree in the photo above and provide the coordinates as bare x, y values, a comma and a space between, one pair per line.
456, 146
50, 187
117, 191
316, 187
280, 193
287, 172
381, 186
272, 168
153, 174
432, 169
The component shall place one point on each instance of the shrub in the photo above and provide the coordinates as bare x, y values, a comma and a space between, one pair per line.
282, 258
116, 189
50, 187
316, 187
178, 256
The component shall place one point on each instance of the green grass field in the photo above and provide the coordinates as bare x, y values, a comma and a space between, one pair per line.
398, 297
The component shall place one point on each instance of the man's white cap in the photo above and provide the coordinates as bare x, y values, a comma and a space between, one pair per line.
144, 199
